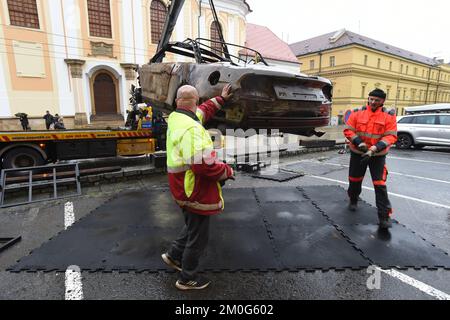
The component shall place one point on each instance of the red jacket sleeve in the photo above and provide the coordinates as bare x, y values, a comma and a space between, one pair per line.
208, 109
212, 168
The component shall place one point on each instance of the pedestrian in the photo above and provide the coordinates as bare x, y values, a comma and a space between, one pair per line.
371, 132
195, 178
59, 123
23, 117
48, 119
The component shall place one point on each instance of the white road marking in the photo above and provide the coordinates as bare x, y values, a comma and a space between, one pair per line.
390, 193
438, 152
418, 160
416, 284
73, 282
390, 172
69, 216
74, 286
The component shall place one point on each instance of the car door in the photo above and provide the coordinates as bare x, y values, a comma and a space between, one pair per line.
444, 128
425, 129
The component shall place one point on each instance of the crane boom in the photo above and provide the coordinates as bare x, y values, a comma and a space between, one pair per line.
171, 20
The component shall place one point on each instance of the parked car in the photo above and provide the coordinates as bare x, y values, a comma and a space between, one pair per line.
422, 130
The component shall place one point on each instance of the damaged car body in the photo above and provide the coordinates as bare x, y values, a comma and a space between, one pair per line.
264, 96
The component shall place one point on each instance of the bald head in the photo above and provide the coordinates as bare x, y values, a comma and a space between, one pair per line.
187, 96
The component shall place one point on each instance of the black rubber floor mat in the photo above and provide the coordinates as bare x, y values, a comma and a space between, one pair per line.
131, 231
279, 194
397, 248
325, 193
315, 248
139, 249
85, 247
281, 176
339, 213
236, 249
153, 208
295, 168
293, 213
238, 194
239, 214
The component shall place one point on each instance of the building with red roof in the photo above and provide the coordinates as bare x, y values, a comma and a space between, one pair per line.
275, 51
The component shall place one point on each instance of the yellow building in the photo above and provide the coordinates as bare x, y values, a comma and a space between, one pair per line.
76, 57
356, 65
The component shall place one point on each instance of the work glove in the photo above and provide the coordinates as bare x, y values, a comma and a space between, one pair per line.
363, 147
369, 154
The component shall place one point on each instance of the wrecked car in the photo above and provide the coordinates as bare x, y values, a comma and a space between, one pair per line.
264, 97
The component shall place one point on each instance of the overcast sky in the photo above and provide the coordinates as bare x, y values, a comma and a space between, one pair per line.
421, 26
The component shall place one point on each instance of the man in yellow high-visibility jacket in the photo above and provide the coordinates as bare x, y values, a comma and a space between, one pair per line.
195, 176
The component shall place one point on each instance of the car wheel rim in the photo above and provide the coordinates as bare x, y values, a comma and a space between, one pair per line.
404, 142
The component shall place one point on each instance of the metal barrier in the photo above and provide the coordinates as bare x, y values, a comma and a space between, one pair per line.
25, 180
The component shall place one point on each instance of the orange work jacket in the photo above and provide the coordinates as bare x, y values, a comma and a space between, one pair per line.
377, 128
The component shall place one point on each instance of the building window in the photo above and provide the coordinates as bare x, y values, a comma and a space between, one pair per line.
332, 61
158, 12
99, 18
214, 33
401, 68
366, 59
390, 66
23, 13
415, 71
363, 91
388, 91
311, 64
379, 63
423, 73
404, 94
407, 68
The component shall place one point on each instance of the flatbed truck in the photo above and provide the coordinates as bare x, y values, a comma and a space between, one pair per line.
36, 148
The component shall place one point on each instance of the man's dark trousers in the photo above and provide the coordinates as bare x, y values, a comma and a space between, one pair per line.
379, 173
191, 244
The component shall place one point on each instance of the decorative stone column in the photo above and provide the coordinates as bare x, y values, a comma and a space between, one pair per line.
130, 76
76, 71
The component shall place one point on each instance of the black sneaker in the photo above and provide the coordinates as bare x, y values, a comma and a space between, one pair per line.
198, 284
171, 262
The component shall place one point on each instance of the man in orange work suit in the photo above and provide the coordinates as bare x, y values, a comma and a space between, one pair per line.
371, 132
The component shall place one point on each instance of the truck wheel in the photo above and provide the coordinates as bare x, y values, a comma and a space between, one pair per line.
404, 141
22, 158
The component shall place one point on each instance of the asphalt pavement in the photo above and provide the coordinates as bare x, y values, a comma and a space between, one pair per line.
419, 183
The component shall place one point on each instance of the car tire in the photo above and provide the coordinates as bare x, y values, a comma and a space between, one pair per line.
21, 158
405, 141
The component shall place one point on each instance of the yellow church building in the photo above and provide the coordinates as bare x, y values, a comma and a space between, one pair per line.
356, 65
